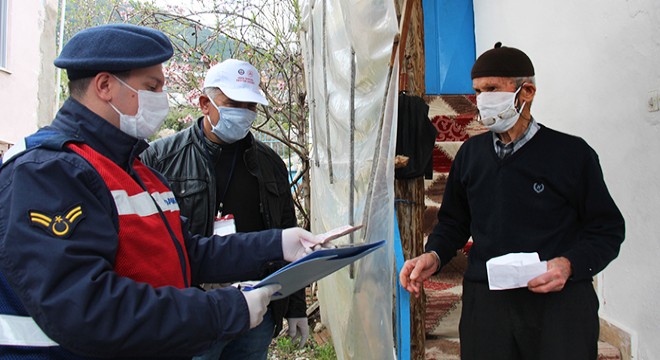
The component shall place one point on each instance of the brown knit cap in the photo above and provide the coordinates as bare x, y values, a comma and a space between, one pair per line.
502, 61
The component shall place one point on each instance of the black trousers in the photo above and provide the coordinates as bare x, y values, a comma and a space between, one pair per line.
521, 325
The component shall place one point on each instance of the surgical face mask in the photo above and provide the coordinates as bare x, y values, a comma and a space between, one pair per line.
497, 110
233, 124
153, 108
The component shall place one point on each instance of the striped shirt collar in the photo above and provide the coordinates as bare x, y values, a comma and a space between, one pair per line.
504, 150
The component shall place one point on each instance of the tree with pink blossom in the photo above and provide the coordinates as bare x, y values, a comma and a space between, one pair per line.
203, 33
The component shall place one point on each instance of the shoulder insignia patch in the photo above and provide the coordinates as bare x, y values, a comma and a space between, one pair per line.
58, 225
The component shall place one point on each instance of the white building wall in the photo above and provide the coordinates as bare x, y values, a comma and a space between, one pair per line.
27, 84
596, 62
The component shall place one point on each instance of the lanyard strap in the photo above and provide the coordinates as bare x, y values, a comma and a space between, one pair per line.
231, 172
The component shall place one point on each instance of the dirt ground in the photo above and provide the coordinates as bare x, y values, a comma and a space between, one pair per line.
318, 337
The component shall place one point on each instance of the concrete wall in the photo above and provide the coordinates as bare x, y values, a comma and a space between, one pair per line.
27, 84
596, 62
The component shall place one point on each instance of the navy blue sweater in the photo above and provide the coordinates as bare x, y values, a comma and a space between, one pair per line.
548, 197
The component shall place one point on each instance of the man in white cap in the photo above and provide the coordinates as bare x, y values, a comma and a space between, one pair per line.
95, 258
224, 178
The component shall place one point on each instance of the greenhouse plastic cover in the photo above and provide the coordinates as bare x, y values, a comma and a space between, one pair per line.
352, 162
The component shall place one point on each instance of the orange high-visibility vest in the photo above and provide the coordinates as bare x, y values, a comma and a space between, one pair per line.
151, 247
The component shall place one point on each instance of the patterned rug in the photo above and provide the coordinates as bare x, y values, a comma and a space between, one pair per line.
453, 117
443, 310
442, 349
443, 299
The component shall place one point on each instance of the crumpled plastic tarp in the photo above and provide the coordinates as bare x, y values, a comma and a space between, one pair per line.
352, 182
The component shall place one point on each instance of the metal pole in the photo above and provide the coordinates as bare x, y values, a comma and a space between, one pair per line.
374, 163
312, 89
61, 42
351, 196
327, 95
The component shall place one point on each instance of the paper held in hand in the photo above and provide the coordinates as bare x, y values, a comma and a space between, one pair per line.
333, 234
514, 270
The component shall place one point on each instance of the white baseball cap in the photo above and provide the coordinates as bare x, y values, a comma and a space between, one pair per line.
237, 79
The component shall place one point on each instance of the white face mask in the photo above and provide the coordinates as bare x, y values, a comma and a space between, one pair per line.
153, 108
233, 124
497, 110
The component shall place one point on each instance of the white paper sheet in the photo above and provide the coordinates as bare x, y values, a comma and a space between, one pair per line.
331, 235
514, 270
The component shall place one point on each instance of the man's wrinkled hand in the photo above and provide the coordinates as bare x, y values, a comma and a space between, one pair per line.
417, 270
559, 270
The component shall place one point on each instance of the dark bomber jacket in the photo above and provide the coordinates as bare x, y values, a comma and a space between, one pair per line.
182, 158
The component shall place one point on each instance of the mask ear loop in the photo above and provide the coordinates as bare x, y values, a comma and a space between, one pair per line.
123, 83
115, 109
519, 111
208, 118
217, 108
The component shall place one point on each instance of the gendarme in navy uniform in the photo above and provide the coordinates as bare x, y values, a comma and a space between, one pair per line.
95, 261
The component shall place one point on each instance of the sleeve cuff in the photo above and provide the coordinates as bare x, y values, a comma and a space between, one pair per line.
437, 257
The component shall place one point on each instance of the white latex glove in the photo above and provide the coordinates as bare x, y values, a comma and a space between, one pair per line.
257, 301
298, 328
297, 242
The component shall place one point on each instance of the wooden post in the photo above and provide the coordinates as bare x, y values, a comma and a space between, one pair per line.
410, 192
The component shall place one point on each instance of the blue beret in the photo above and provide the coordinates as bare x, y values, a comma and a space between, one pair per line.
113, 48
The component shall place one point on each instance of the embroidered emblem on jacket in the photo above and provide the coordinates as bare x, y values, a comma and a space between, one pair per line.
539, 187
59, 225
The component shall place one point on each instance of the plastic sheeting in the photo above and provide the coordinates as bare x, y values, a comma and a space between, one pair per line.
352, 94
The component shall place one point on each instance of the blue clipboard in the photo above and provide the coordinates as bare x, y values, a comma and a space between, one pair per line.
314, 267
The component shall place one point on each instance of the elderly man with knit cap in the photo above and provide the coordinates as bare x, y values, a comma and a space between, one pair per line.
522, 188
224, 178
95, 260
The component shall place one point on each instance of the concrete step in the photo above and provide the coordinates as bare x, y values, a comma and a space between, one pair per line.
608, 351
440, 348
